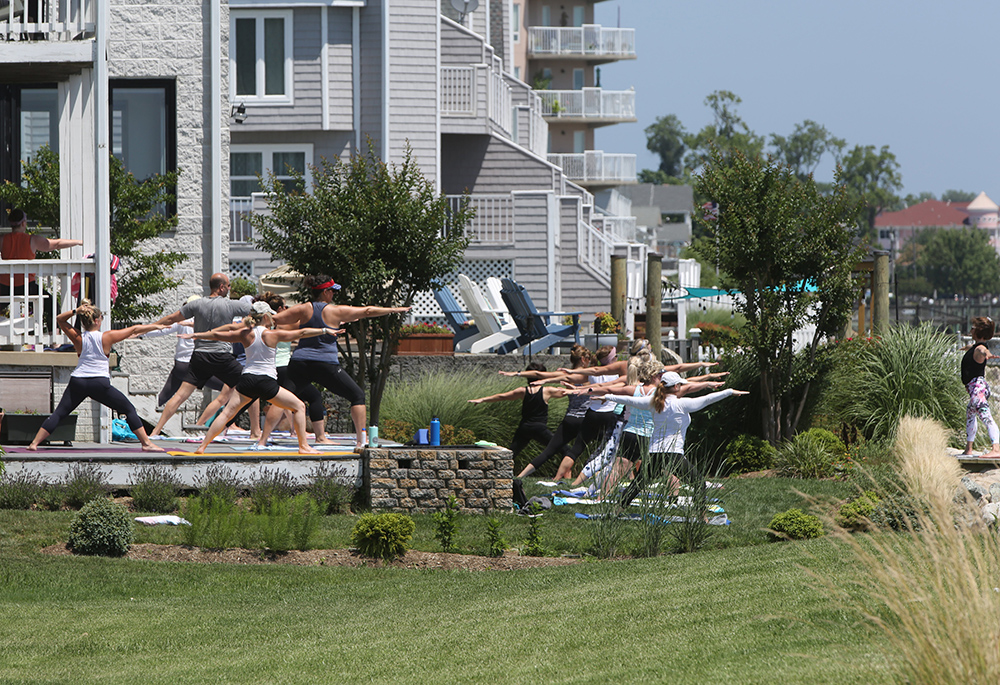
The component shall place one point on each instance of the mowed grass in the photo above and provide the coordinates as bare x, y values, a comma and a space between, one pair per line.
740, 612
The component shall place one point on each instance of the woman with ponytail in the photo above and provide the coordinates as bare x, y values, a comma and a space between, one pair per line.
92, 376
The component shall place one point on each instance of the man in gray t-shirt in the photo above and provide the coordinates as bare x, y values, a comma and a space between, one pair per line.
210, 357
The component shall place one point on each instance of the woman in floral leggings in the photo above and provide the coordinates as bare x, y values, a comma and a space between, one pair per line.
974, 377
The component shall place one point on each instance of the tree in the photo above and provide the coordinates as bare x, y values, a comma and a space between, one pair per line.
805, 147
727, 132
912, 199
959, 261
380, 231
872, 178
665, 137
137, 216
789, 250
957, 196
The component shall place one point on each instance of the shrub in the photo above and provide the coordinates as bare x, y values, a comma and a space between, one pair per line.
834, 445
533, 546
383, 536
239, 286
269, 486
154, 488
856, 513
749, 453
446, 524
718, 335
805, 456
52, 496
21, 490
496, 541
452, 435
101, 528
289, 523
795, 525
396, 431
219, 482
423, 329
215, 522
329, 487
83, 483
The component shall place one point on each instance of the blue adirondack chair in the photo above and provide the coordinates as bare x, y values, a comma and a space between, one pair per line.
537, 334
466, 332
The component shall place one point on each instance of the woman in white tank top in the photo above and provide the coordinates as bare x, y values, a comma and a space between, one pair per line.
92, 376
260, 377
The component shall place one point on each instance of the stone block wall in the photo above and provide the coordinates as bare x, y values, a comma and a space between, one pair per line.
415, 480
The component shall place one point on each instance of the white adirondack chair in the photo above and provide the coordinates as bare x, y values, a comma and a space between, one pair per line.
497, 305
495, 333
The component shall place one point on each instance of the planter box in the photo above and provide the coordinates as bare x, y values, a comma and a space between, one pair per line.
427, 344
598, 340
22, 428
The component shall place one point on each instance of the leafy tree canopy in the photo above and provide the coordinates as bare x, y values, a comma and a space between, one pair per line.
957, 261
871, 176
727, 133
665, 137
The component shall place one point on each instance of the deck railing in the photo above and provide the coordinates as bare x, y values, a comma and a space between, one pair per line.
494, 220
594, 250
622, 229
54, 20
240, 230
33, 292
594, 166
588, 103
589, 40
470, 90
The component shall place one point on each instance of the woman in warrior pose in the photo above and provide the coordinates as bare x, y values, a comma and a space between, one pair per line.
974, 378
92, 376
315, 359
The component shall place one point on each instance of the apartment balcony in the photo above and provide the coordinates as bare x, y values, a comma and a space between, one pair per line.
589, 105
595, 168
44, 40
494, 220
475, 98
240, 230
591, 42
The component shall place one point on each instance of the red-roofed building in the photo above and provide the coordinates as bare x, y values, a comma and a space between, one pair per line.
896, 228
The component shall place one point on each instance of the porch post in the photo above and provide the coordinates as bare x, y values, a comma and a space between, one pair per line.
654, 303
880, 293
619, 286
102, 254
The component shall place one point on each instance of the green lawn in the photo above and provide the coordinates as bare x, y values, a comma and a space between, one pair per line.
742, 611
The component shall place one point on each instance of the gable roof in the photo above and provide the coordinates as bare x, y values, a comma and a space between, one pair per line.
926, 214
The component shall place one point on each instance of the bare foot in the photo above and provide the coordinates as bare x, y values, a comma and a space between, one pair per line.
32, 448
990, 455
200, 450
152, 448
323, 441
965, 454
308, 450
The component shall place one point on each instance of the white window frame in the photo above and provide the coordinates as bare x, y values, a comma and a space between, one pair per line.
287, 98
267, 158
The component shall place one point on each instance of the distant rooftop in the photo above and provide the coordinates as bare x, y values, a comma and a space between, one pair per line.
926, 214
669, 199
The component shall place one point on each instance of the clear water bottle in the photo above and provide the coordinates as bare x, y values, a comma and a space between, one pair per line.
435, 436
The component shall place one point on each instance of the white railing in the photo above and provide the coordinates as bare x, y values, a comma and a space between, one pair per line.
594, 166
500, 102
594, 250
622, 229
27, 311
539, 136
590, 40
458, 91
494, 220
55, 20
588, 103
240, 230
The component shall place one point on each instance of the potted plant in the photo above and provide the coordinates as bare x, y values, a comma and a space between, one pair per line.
21, 428
425, 339
606, 330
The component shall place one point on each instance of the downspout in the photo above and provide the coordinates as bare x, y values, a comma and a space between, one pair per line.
385, 82
437, 110
356, 76
215, 132
324, 54
102, 201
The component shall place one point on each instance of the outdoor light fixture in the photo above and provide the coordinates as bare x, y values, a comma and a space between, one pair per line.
239, 113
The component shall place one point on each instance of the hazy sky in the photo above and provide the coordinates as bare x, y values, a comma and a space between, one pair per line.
918, 76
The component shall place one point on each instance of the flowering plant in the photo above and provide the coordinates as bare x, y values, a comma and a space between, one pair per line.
423, 328
605, 323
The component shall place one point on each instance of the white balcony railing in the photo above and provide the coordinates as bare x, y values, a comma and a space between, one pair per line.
465, 89
494, 220
621, 229
589, 40
240, 230
588, 103
54, 20
594, 250
458, 91
26, 312
595, 166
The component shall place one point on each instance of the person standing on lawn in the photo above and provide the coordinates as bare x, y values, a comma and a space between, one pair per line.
974, 379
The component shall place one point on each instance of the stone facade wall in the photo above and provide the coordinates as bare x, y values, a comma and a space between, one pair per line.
420, 479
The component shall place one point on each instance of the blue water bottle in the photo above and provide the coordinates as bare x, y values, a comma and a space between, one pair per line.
435, 432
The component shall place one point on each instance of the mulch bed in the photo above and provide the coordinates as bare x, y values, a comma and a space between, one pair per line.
333, 557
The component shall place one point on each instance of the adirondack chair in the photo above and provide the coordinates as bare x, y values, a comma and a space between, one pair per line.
502, 336
493, 296
533, 324
465, 332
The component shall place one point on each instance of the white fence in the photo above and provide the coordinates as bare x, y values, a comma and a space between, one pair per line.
33, 292
622, 229
494, 220
464, 89
55, 20
240, 230
588, 103
594, 166
458, 91
589, 40
594, 250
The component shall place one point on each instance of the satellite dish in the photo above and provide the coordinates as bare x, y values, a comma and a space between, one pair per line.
463, 7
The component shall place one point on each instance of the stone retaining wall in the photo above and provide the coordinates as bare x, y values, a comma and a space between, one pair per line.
420, 479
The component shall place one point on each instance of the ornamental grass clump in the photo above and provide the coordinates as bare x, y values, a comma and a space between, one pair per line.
219, 482
103, 528
932, 588
330, 486
269, 486
383, 536
20, 490
154, 488
84, 482
807, 455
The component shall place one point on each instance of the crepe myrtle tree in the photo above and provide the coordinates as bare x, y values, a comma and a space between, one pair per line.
790, 250
382, 233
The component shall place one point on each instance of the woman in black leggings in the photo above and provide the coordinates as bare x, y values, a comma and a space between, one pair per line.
92, 376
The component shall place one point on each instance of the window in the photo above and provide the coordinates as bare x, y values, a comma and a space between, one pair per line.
515, 20
247, 162
579, 142
578, 16
517, 73
578, 79
143, 126
39, 121
546, 15
260, 61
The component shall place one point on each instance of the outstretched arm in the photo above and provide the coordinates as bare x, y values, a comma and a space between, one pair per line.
346, 314
688, 366
117, 335
689, 388
43, 244
515, 394
171, 318
284, 335
223, 333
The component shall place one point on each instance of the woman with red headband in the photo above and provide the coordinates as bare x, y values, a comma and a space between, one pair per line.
315, 359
